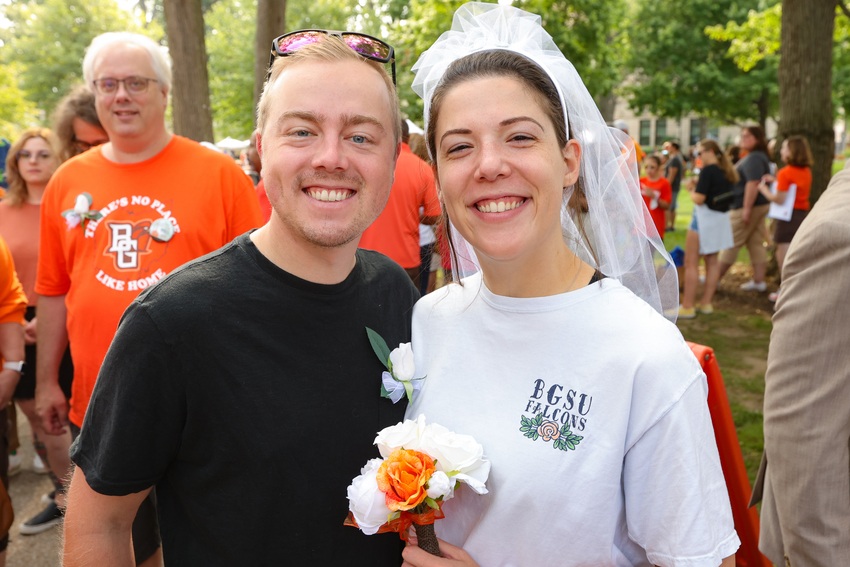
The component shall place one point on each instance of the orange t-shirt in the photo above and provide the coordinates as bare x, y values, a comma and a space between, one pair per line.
19, 227
661, 184
263, 198
802, 177
102, 265
395, 233
13, 302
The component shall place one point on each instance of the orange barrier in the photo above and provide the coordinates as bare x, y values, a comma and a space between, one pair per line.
732, 461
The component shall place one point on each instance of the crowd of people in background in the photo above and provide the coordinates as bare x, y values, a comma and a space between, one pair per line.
108, 160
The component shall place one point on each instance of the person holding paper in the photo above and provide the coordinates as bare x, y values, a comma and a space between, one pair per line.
797, 155
716, 180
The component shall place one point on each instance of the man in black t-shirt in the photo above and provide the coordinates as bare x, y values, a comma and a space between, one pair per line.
243, 386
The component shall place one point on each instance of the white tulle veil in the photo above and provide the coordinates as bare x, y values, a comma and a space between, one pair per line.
617, 224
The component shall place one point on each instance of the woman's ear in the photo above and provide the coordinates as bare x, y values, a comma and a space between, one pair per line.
572, 159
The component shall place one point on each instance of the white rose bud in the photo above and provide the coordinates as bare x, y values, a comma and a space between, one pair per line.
402, 361
82, 204
439, 485
366, 502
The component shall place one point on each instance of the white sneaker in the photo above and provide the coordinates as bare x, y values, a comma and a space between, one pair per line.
15, 461
753, 286
38, 466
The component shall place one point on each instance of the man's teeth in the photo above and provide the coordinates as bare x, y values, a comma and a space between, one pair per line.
332, 195
498, 206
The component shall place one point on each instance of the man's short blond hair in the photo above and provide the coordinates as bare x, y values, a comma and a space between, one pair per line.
331, 48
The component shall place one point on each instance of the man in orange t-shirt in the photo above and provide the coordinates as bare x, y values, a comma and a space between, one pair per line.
395, 233
119, 218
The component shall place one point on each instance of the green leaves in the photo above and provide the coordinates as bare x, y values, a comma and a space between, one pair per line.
529, 426
379, 345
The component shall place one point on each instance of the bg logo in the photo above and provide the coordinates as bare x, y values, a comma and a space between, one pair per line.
127, 242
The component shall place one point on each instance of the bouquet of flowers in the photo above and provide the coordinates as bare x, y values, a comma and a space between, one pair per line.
421, 467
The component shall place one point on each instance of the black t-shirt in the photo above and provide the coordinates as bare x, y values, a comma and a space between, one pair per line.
751, 168
675, 161
250, 399
712, 183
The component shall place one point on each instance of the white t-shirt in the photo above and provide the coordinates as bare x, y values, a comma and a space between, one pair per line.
592, 410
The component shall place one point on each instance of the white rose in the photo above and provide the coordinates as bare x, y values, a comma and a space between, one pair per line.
82, 204
366, 502
458, 454
405, 434
402, 360
439, 485
455, 454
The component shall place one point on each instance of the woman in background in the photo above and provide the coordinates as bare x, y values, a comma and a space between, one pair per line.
31, 162
716, 178
797, 156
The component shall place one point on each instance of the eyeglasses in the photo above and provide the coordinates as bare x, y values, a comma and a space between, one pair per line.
364, 45
39, 156
84, 146
134, 85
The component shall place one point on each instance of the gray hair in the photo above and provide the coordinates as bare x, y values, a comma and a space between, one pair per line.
159, 57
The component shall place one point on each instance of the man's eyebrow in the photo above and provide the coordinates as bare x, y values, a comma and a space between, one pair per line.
305, 115
315, 118
358, 119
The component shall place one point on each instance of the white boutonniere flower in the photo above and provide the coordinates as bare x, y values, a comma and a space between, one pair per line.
398, 380
81, 213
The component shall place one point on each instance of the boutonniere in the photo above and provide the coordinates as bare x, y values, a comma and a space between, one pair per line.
81, 212
398, 379
421, 466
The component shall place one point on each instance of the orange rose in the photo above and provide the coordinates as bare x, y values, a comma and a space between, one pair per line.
402, 477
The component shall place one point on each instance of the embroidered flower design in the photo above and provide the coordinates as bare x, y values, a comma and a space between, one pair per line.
562, 438
398, 380
81, 213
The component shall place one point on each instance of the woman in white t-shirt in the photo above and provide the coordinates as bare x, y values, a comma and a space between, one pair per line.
554, 354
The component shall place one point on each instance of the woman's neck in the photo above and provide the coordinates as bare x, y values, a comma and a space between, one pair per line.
538, 276
35, 193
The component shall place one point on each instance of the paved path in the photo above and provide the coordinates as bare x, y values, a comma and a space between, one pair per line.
26, 489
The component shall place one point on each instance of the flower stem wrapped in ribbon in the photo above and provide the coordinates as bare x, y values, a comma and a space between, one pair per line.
398, 380
421, 468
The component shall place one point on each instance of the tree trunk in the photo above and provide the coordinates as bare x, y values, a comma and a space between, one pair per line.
184, 22
271, 23
805, 81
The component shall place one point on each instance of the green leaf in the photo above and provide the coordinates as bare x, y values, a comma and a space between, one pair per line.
408, 389
379, 345
432, 503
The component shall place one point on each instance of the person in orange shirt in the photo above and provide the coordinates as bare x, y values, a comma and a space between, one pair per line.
30, 164
395, 233
116, 220
13, 305
796, 154
656, 191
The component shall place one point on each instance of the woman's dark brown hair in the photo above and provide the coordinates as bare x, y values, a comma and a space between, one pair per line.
799, 153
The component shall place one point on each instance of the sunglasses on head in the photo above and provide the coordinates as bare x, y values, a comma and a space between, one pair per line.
364, 45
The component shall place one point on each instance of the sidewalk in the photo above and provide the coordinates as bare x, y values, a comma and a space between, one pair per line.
26, 489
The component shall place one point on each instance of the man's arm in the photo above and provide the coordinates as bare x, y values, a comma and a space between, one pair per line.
807, 385
50, 402
98, 528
